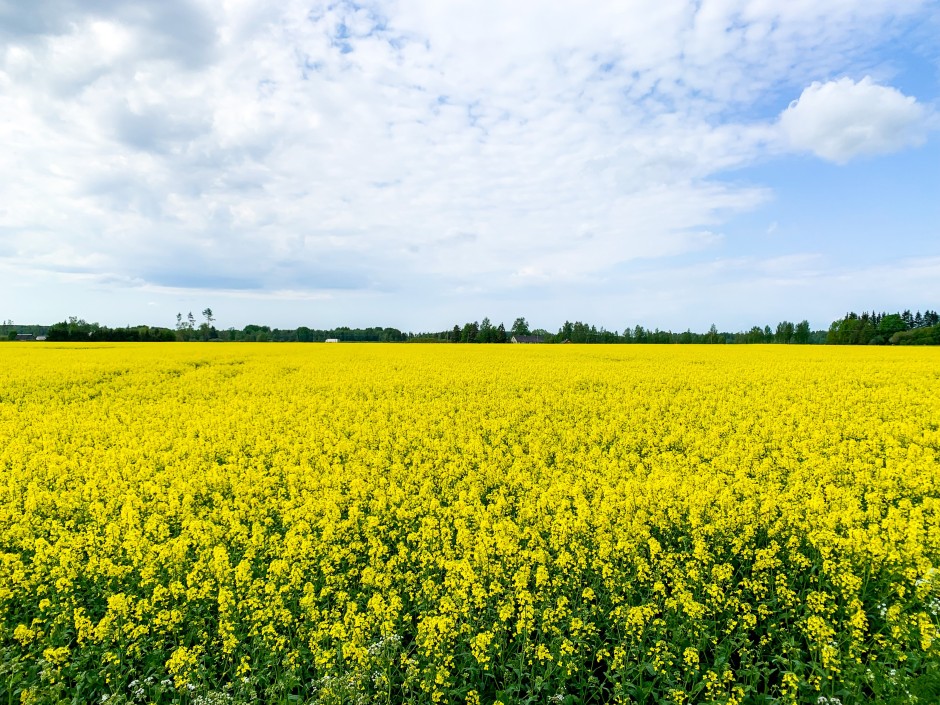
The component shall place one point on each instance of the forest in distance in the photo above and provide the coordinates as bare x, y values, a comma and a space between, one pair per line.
904, 328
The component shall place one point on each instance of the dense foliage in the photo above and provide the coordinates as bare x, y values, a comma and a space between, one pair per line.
562, 524
78, 330
9, 330
853, 329
581, 333
886, 329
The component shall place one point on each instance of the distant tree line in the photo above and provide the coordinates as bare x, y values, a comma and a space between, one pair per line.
79, 330
785, 332
853, 329
886, 329
303, 334
186, 328
9, 330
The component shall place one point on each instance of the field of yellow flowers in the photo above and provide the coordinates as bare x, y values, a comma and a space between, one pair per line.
206, 523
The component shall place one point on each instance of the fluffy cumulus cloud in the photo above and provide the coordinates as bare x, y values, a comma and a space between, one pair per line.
409, 147
842, 119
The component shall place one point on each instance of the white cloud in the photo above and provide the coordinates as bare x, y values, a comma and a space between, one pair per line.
386, 147
840, 120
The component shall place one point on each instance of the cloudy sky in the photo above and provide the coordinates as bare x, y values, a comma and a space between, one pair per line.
420, 163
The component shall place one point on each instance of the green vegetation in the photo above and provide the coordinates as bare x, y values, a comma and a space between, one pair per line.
886, 329
853, 329
78, 330
9, 330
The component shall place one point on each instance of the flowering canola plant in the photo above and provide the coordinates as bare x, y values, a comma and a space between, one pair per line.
196, 523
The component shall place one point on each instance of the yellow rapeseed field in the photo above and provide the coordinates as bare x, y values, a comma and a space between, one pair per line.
202, 523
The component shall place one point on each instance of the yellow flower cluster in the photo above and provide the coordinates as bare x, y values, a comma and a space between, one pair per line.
434, 523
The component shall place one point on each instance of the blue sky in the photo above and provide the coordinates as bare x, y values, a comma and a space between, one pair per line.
419, 164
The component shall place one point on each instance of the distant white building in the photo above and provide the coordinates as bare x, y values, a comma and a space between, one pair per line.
332, 340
